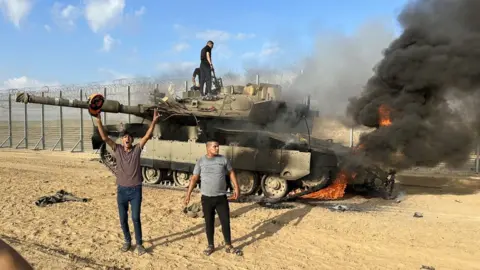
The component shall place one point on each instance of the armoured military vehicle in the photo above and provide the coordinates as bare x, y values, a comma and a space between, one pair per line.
266, 139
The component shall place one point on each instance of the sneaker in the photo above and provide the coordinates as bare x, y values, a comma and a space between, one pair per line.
141, 250
125, 247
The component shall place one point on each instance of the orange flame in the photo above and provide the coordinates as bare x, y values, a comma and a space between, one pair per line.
384, 114
358, 148
334, 191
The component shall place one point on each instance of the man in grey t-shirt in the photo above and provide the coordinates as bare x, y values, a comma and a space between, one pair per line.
129, 180
211, 169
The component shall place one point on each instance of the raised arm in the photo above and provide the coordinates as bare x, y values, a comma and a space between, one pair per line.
148, 135
104, 136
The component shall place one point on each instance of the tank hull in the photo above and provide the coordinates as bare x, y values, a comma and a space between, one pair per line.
284, 168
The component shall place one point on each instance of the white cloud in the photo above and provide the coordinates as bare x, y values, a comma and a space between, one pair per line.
25, 82
113, 74
179, 68
214, 35
243, 36
47, 28
65, 15
108, 42
249, 55
220, 35
182, 46
103, 14
268, 49
16, 10
140, 12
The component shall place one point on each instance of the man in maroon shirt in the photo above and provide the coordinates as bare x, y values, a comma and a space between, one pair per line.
129, 180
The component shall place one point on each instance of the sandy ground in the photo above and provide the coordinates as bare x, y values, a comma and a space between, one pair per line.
371, 234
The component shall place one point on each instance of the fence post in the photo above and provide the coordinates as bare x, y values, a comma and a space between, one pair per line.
186, 86
61, 124
60, 140
43, 123
258, 79
25, 128
80, 141
477, 158
351, 137
82, 147
25, 125
42, 126
10, 137
105, 114
128, 100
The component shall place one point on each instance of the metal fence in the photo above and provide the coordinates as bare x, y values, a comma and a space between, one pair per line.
36, 126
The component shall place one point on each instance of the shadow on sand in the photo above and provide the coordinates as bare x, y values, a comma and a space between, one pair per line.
260, 231
197, 229
271, 226
410, 184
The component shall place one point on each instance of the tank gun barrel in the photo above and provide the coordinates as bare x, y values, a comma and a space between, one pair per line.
110, 106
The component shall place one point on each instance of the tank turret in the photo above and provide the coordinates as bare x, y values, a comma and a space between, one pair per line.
255, 104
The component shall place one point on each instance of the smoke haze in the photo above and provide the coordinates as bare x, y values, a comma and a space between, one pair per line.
429, 79
340, 65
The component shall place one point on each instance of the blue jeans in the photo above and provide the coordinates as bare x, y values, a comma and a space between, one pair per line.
134, 196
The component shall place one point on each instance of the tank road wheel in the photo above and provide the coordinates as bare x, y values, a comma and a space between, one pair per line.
274, 187
151, 175
181, 178
247, 182
107, 158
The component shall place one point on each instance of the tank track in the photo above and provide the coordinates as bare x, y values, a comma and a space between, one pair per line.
107, 160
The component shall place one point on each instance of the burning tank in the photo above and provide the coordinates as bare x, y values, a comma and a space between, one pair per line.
266, 139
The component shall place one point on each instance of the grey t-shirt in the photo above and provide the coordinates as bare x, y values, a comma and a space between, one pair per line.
128, 171
212, 173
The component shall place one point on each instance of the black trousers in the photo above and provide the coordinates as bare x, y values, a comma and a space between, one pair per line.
220, 204
205, 78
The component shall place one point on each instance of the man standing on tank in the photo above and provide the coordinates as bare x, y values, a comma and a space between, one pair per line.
129, 180
206, 67
211, 169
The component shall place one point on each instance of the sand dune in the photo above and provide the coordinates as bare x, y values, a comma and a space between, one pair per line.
377, 235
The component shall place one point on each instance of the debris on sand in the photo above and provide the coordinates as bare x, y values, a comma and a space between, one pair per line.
418, 215
60, 196
339, 207
276, 205
427, 267
194, 210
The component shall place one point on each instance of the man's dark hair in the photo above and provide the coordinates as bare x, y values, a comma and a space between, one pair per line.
211, 141
210, 42
124, 133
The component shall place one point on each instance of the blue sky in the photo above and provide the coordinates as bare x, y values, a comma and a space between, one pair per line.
79, 41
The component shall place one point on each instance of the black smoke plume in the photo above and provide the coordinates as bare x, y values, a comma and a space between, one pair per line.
434, 63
